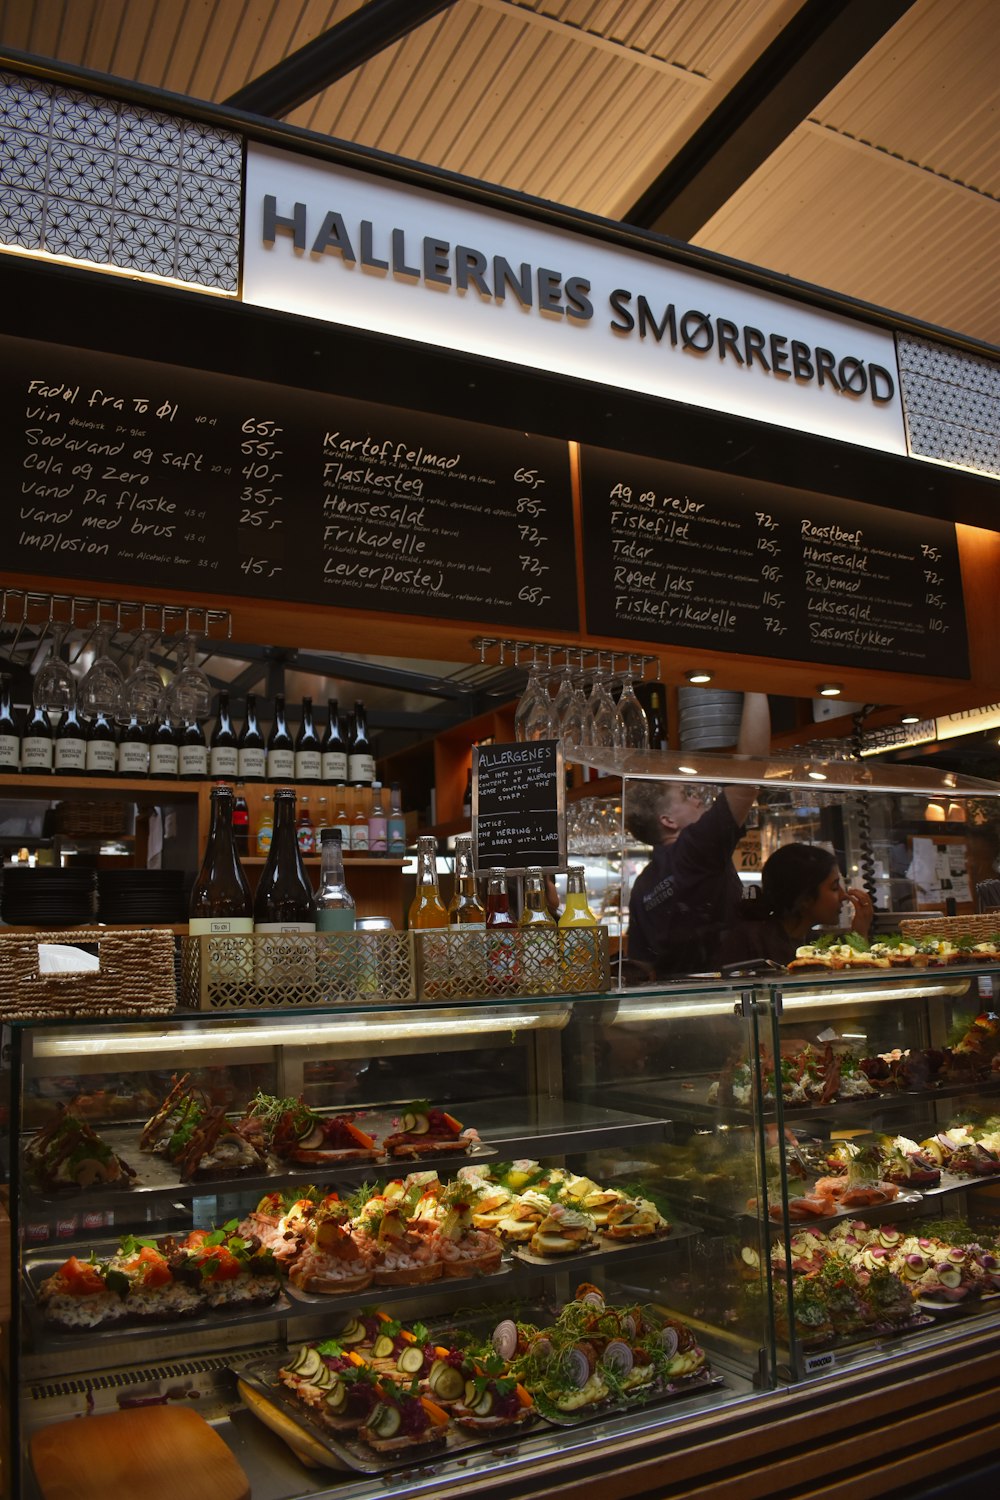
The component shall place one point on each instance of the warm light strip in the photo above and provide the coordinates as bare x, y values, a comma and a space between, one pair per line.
326, 1029
636, 1011
132, 274
805, 999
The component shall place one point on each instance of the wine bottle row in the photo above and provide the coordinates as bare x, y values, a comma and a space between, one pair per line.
79, 746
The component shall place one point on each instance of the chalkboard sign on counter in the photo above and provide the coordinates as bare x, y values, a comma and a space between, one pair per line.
123, 470
690, 557
518, 805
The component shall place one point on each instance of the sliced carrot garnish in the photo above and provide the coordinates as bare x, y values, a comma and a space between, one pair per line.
523, 1395
441, 1351
456, 1125
357, 1359
367, 1141
436, 1413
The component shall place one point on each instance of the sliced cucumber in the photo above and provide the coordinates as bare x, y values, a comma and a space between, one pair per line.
324, 1378
310, 1366
420, 1125
407, 1122
484, 1405
385, 1421
301, 1355
470, 1394
383, 1347
411, 1360
354, 1333
447, 1382
336, 1395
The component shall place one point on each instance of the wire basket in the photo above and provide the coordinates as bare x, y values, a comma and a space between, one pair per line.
508, 962
84, 820
134, 977
296, 970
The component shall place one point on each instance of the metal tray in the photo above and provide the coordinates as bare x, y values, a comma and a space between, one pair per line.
347, 1452
602, 1248
704, 1379
393, 1293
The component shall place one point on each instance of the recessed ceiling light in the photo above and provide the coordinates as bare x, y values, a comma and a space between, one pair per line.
699, 675
830, 690
909, 718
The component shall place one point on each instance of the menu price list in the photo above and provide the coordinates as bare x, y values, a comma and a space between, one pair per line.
123, 469
688, 557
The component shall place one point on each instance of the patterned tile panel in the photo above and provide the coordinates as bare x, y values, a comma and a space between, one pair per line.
115, 185
951, 402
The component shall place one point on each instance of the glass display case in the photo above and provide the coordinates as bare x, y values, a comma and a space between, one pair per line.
121, 1300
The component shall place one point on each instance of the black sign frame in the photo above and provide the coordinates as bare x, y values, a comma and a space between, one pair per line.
518, 807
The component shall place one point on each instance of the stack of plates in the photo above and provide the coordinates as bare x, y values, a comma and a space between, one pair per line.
48, 897
141, 896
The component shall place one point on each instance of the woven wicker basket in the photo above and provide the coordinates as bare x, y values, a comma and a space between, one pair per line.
979, 928
83, 820
135, 978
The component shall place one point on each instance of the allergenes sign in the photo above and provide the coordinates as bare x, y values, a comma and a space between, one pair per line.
518, 805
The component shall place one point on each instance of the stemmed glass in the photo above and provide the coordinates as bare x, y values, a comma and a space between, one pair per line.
533, 717
142, 692
631, 724
570, 710
601, 725
54, 687
101, 689
189, 695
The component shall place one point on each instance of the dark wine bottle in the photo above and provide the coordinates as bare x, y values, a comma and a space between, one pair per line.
220, 896
164, 752
284, 900
280, 748
307, 748
193, 757
360, 762
36, 744
102, 746
241, 822
70, 749
133, 749
251, 754
333, 751
223, 753
10, 740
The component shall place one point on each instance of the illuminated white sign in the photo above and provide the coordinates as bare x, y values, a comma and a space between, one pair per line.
347, 247
969, 721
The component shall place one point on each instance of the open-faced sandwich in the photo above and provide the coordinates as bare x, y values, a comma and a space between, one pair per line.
403, 1419
464, 1249
340, 1389
68, 1154
563, 1231
301, 1136
424, 1131
634, 1219
197, 1137
401, 1256
333, 1260
492, 1401
224, 1268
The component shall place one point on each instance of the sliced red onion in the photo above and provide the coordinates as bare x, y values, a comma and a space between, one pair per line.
542, 1349
669, 1341
628, 1325
505, 1338
577, 1367
592, 1299
618, 1356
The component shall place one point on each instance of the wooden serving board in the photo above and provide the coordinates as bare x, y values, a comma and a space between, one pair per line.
156, 1452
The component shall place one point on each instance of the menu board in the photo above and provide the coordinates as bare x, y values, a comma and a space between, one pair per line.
124, 470
691, 557
518, 812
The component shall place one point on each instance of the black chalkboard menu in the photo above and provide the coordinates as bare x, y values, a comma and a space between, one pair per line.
124, 470
689, 557
518, 805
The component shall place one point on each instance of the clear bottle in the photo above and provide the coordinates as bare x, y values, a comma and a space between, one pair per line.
396, 824
193, 755
265, 825
220, 897
427, 910
284, 899
133, 749
359, 830
36, 744
341, 820
102, 746
164, 751
322, 818
360, 762
308, 760
10, 740
378, 823
305, 833
70, 747
578, 936
333, 751
251, 756
280, 748
503, 965
223, 750
540, 954
465, 908
334, 902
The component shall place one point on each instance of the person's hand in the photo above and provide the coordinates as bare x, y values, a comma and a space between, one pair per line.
862, 911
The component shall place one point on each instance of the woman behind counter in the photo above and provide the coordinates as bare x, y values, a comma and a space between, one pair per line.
801, 888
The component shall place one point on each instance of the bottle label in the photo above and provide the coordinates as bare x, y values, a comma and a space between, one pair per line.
396, 837
224, 760
307, 765
333, 765
501, 955
10, 747
251, 764
36, 753
266, 927
335, 919
133, 758
359, 838
264, 836
378, 841
361, 768
101, 756
216, 926
280, 765
193, 760
306, 840
164, 760
71, 755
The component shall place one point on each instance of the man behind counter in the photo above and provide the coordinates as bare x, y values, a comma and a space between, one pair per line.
690, 889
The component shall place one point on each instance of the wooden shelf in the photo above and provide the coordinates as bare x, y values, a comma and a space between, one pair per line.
135, 789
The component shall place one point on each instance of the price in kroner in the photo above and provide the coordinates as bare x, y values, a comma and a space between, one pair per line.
260, 567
